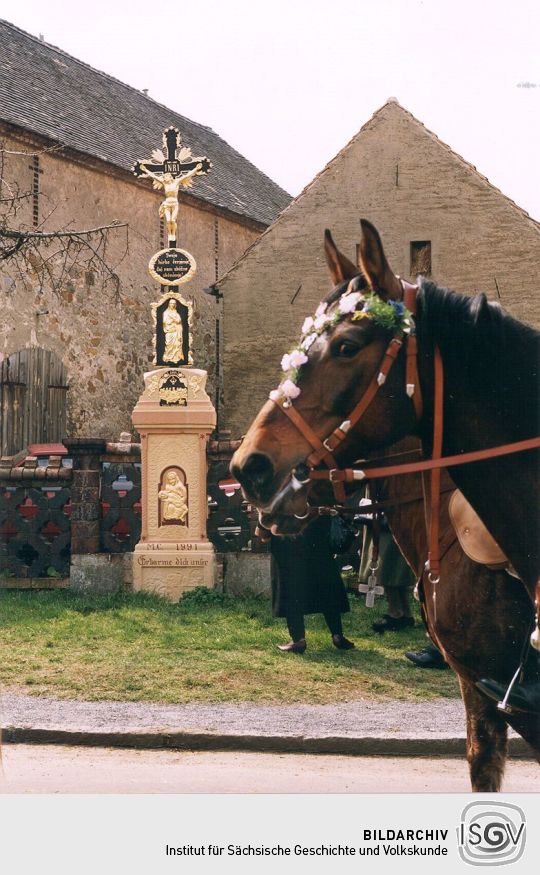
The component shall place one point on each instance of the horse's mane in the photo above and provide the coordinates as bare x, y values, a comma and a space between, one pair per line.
498, 356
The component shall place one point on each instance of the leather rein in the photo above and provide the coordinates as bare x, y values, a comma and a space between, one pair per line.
323, 451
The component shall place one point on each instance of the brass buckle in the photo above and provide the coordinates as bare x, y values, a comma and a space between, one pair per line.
332, 475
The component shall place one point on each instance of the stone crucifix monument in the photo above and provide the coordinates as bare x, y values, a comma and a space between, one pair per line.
174, 415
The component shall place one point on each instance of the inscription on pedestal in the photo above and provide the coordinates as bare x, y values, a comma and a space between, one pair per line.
175, 562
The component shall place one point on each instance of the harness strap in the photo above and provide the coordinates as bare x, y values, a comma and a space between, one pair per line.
340, 433
349, 475
323, 449
435, 490
321, 452
412, 379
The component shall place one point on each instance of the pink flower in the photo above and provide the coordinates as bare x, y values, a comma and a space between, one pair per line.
275, 395
320, 321
308, 324
306, 343
290, 389
321, 309
347, 303
297, 358
286, 362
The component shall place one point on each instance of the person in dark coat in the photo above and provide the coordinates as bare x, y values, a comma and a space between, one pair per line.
306, 580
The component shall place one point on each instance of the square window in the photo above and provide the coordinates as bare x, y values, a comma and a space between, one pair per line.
420, 258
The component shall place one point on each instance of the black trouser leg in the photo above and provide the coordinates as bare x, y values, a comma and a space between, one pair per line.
333, 621
295, 622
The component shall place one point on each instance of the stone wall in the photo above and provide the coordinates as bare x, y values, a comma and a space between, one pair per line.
413, 188
101, 329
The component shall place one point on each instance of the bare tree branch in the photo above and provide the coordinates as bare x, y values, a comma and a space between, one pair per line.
31, 254
58, 235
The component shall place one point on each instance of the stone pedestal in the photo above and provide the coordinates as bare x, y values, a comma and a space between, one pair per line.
174, 417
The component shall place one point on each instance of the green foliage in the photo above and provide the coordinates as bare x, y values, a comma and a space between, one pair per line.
201, 597
391, 315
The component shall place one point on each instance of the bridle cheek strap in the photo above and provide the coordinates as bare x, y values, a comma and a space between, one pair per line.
320, 451
323, 450
339, 434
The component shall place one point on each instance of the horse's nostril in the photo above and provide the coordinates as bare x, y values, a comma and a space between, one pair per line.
256, 471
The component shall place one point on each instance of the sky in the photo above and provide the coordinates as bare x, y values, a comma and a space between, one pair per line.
289, 82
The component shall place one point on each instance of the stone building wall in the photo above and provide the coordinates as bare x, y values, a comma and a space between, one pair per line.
413, 188
100, 329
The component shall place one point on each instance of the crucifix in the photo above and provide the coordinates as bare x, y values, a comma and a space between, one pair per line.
371, 588
171, 169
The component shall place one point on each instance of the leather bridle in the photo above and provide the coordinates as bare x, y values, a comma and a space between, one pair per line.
323, 450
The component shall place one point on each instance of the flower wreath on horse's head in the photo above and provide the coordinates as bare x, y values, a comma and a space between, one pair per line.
391, 315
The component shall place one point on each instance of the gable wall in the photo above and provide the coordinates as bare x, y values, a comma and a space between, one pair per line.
412, 187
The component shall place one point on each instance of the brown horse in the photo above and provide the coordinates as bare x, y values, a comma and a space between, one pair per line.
491, 397
483, 617
491, 394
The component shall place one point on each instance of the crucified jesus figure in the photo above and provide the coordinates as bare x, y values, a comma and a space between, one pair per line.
168, 209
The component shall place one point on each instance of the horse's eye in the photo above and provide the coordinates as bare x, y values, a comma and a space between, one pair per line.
347, 349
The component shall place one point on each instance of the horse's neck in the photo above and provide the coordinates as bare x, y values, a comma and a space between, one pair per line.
490, 367
482, 410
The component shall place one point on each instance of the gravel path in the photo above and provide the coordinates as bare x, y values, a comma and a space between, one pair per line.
438, 718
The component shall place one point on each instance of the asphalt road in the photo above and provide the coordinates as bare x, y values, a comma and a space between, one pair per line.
51, 769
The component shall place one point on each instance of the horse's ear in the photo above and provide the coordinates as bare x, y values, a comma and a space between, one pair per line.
341, 269
375, 267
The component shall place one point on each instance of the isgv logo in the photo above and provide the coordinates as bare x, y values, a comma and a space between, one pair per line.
491, 833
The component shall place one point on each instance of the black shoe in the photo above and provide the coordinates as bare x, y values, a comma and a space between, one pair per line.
293, 646
429, 657
342, 643
392, 624
523, 697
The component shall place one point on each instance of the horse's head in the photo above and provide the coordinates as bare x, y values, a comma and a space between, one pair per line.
339, 354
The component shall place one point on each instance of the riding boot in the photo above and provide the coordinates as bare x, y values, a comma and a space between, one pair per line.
523, 696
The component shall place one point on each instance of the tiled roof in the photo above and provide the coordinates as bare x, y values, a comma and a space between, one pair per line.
47, 92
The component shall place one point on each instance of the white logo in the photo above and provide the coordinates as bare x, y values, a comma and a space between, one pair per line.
491, 833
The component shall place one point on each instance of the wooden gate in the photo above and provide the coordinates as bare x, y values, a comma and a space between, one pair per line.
33, 394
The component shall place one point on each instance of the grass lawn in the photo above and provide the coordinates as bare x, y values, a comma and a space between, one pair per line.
210, 647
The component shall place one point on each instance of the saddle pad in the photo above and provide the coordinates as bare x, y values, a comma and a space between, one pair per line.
476, 542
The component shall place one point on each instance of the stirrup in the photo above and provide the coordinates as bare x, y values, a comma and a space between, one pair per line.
503, 704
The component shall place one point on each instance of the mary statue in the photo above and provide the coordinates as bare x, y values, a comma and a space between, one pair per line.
172, 329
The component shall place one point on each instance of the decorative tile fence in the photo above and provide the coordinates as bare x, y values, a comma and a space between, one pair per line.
90, 502
120, 498
35, 517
